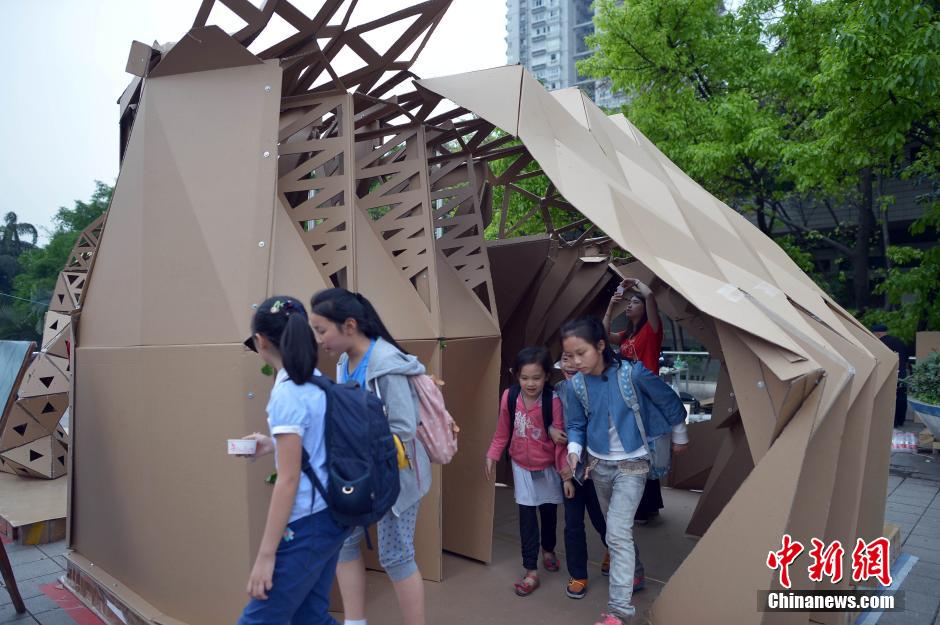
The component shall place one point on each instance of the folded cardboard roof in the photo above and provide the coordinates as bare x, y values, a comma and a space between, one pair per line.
806, 376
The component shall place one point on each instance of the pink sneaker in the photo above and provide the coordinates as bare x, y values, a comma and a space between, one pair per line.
609, 619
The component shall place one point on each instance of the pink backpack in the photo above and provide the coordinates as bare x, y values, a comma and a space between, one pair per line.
437, 430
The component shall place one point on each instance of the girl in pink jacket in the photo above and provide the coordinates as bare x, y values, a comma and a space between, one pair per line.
536, 460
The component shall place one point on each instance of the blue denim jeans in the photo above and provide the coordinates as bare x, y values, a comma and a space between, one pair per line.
304, 569
619, 487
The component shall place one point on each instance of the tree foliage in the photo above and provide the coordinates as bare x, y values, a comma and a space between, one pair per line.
39, 268
778, 103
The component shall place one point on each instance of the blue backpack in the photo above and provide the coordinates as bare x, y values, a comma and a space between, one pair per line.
659, 448
361, 456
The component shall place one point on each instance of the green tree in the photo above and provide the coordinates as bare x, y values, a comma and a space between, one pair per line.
779, 102
16, 237
912, 285
41, 267
528, 188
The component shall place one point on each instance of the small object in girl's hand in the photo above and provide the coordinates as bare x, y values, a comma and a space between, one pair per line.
619, 290
579, 474
242, 446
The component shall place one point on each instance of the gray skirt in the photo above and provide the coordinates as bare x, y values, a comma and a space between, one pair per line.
533, 488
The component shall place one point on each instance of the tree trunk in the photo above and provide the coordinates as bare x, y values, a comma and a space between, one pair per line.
762, 217
885, 234
866, 226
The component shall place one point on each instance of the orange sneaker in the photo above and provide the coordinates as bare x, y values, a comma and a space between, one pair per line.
576, 588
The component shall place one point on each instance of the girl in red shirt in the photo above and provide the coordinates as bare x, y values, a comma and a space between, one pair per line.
641, 341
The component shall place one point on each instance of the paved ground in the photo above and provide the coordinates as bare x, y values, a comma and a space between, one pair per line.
913, 503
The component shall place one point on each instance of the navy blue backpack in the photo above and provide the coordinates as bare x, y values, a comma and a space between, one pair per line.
361, 456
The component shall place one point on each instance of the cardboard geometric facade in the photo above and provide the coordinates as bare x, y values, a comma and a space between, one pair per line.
318, 178
31, 441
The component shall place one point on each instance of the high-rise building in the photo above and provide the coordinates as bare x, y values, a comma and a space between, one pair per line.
547, 38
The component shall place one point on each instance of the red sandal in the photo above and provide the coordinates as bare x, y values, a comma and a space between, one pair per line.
550, 562
527, 585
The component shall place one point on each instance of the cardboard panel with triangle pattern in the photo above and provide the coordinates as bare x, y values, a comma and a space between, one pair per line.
44, 457
42, 392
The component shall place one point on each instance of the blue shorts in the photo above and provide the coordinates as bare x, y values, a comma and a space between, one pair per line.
396, 544
304, 569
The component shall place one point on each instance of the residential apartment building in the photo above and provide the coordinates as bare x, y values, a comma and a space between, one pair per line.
547, 38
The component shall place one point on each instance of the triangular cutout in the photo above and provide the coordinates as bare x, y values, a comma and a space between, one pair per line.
47, 381
20, 429
384, 37
34, 455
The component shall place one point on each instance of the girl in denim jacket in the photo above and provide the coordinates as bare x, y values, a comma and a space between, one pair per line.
617, 457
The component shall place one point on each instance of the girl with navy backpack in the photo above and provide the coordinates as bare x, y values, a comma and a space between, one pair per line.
347, 324
623, 416
296, 562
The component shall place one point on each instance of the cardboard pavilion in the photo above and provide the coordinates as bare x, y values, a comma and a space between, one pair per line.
247, 173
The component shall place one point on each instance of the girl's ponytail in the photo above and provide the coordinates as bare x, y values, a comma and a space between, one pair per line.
298, 347
377, 327
283, 321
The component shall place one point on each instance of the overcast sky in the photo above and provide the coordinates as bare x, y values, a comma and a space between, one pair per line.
62, 67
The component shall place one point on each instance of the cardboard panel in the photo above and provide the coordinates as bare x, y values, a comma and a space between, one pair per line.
733, 463
462, 313
56, 331
521, 260
171, 436
474, 90
15, 468
293, 271
47, 410
468, 498
752, 522
63, 299
404, 313
19, 429
138, 59
44, 457
23, 502
45, 377
203, 49
187, 246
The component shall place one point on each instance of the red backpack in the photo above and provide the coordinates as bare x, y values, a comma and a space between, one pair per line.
437, 430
